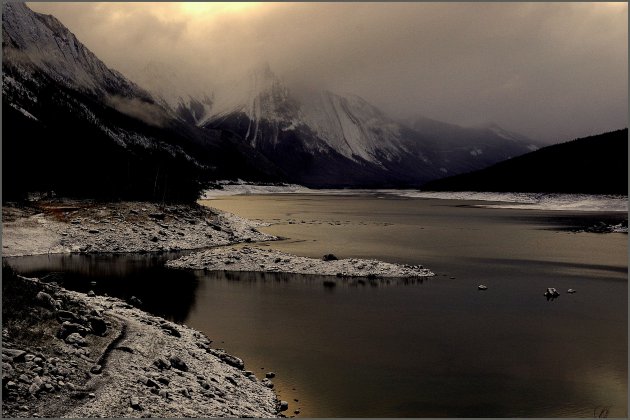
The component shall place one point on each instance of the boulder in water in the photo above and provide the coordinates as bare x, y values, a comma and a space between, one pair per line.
551, 293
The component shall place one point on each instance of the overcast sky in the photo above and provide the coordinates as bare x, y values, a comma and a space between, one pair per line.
552, 71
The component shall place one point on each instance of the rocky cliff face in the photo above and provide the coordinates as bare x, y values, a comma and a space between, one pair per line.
37, 43
344, 136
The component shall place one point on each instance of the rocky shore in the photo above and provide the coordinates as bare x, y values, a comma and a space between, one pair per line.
74, 355
269, 260
65, 226
79, 355
68, 354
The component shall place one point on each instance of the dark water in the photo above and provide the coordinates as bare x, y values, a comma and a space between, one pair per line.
433, 348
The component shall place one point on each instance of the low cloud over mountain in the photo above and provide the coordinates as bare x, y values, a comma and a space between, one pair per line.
552, 71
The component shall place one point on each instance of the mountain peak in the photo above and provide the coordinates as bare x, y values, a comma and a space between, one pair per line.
175, 90
38, 43
263, 71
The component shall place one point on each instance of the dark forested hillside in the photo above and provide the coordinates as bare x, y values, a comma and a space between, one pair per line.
74, 126
596, 164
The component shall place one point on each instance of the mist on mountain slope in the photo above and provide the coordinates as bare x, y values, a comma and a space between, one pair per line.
551, 71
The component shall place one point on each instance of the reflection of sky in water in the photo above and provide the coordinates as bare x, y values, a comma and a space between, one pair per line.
506, 351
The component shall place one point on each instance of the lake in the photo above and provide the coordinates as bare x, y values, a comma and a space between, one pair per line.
432, 348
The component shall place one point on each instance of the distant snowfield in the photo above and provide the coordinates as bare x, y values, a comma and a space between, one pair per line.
251, 189
533, 201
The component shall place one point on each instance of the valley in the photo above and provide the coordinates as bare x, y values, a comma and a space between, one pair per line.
314, 210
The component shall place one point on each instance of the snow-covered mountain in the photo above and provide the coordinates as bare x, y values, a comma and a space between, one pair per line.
35, 42
76, 126
354, 128
177, 93
65, 107
372, 148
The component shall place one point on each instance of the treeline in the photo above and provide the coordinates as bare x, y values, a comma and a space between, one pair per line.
68, 155
590, 165
70, 148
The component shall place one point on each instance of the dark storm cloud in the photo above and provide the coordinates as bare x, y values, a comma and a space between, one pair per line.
548, 70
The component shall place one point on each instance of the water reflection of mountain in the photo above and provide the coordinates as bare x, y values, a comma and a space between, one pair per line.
167, 293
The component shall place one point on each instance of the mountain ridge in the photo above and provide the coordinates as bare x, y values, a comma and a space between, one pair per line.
68, 105
595, 164
75, 126
346, 130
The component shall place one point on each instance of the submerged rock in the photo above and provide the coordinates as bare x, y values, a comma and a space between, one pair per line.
330, 257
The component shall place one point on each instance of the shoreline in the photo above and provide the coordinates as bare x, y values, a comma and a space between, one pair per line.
214, 383
119, 361
83, 226
141, 378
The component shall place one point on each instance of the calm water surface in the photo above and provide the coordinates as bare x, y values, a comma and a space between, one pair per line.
433, 348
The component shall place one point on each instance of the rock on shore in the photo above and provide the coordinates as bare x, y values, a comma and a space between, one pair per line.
268, 260
83, 226
100, 357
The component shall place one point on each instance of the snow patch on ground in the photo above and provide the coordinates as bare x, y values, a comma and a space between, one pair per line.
211, 383
502, 133
254, 189
620, 228
533, 201
24, 112
352, 127
55, 227
268, 260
